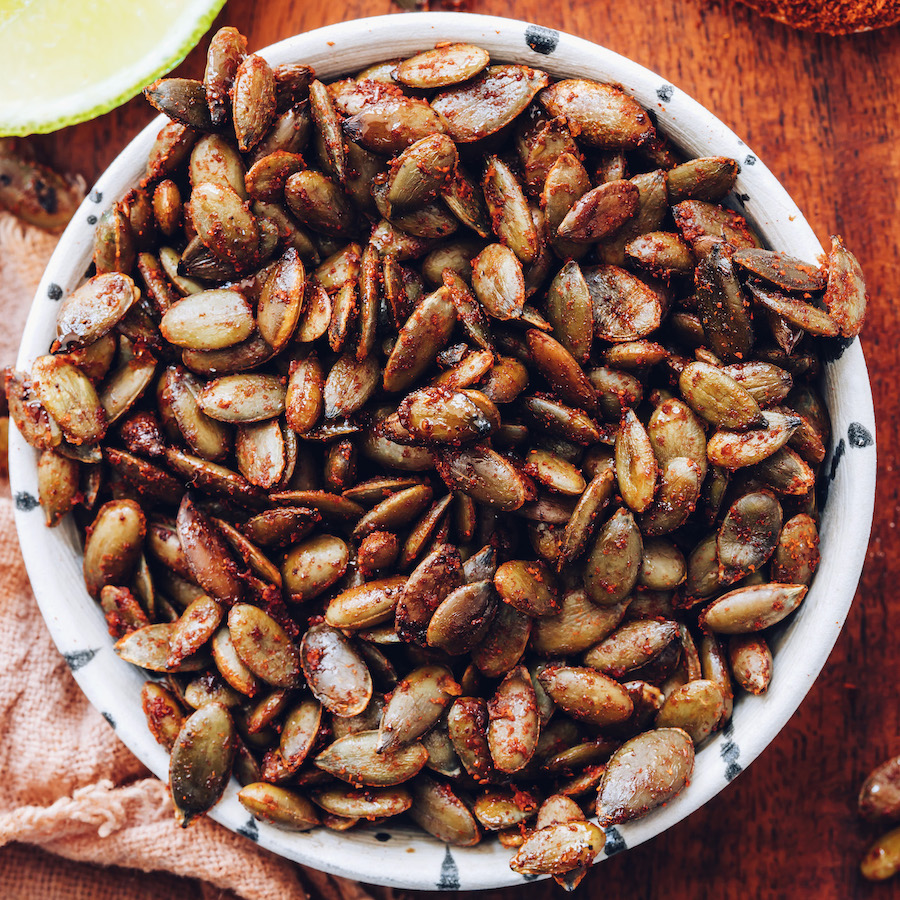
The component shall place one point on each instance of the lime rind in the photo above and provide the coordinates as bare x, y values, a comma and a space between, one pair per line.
198, 23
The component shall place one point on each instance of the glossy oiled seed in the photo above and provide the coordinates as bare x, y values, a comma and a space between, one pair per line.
148, 647
736, 449
58, 484
490, 101
253, 100
243, 398
751, 662
615, 561
675, 431
419, 340
696, 707
445, 416
336, 674
67, 395
264, 646
796, 555
586, 694
463, 618
485, 476
368, 803
748, 535
215, 160
633, 645
445, 65
559, 367
603, 115
113, 544
496, 808
209, 320
578, 625
415, 705
164, 714
279, 806
438, 810
513, 722
558, 849
313, 566
509, 210
718, 398
879, 796
636, 466
600, 212
366, 605
845, 297
499, 282
207, 553
570, 311
644, 773
882, 859
201, 760
529, 586
354, 759
196, 626
625, 308
230, 230
752, 608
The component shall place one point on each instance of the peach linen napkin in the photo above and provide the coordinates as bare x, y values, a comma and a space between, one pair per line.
69, 787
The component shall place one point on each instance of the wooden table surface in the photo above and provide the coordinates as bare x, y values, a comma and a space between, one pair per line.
823, 113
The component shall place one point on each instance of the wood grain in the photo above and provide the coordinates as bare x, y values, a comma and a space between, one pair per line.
823, 114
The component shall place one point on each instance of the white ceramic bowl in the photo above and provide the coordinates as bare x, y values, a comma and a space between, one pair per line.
405, 857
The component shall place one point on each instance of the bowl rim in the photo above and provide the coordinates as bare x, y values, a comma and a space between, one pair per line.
53, 559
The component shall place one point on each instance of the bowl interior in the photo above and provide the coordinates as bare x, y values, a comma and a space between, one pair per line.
398, 856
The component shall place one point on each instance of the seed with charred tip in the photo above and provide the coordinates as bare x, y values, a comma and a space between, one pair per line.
181, 99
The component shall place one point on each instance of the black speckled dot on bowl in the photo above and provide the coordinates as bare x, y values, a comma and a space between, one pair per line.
250, 830
859, 435
832, 349
666, 92
730, 753
92, 220
78, 659
615, 843
95, 196
110, 720
26, 502
749, 160
54, 292
826, 478
449, 880
541, 40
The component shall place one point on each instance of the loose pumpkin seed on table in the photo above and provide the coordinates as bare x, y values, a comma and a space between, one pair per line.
442, 445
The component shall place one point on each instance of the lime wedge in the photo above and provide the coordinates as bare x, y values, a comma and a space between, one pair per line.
65, 62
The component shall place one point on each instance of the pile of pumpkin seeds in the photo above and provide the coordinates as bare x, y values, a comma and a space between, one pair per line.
447, 448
